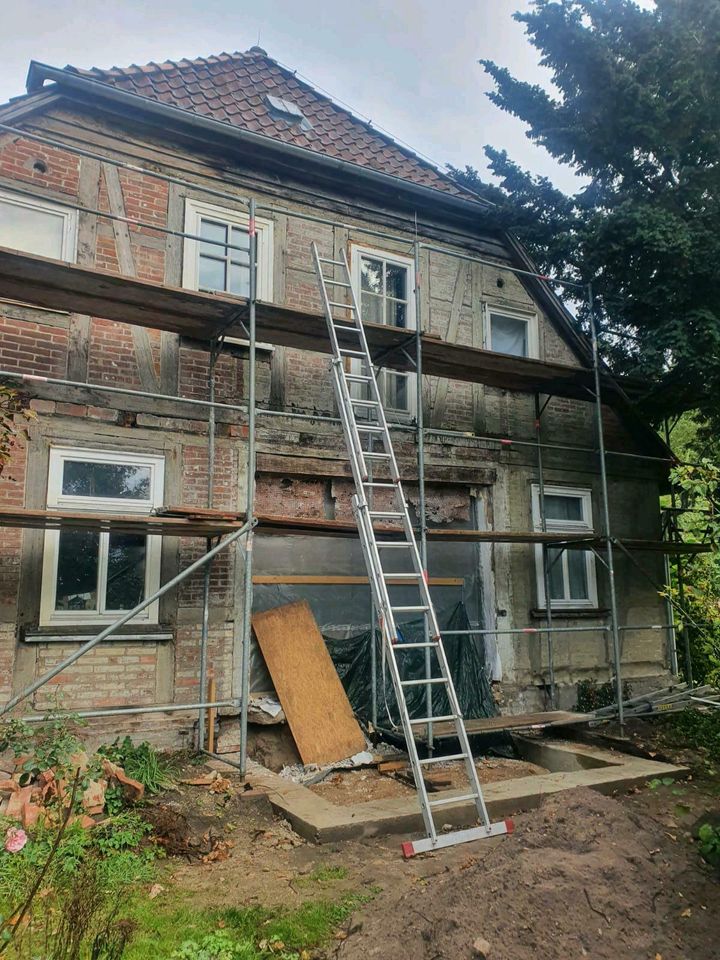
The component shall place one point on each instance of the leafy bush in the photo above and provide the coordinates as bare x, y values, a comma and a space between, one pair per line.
86, 879
217, 946
709, 843
693, 728
141, 762
592, 695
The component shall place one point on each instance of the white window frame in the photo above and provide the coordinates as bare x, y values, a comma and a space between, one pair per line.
195, 210
57, 500
565, 526
357, 252
531, 319
68, 215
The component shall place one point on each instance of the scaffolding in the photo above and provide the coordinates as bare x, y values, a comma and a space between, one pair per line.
56, 285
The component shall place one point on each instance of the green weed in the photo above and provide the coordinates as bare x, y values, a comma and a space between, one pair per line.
141, 762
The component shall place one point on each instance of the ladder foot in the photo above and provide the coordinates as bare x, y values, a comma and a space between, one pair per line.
411, 848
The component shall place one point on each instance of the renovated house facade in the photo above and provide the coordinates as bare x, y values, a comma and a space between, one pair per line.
170, 153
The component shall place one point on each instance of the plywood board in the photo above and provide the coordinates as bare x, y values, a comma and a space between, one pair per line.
308, 687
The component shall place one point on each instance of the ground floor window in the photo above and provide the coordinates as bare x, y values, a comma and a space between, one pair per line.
89, 575
572, 572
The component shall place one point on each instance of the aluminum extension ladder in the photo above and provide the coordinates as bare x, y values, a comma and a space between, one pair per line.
363, 421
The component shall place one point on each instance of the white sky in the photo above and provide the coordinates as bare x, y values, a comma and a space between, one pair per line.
409, 65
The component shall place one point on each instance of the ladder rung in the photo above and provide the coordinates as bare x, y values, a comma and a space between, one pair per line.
393, 544
403, 576
414, 646
369, 428
338, 263
358, 378
336, 283
422, 683
424, 720
385, 515
444, 801
378, 483
409, 609
451, 756
351, 353
364, 403
372, 455
345, 306
346, 327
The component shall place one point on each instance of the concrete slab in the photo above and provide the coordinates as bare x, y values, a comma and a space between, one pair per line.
581, 765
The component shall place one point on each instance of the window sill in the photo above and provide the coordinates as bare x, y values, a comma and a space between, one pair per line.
81, 634
570, 613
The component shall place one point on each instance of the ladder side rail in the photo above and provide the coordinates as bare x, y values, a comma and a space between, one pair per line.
340, 384
382, 421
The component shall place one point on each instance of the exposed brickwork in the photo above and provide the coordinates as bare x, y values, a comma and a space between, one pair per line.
48, 168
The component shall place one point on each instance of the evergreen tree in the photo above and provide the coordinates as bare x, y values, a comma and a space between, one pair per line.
634, 110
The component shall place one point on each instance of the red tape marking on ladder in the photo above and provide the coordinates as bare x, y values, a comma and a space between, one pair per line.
426, 578
251, 227
509, 825
407, 849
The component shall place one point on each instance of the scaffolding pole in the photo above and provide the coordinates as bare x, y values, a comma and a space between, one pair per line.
422, 520
249, 499
545, 554
605, 499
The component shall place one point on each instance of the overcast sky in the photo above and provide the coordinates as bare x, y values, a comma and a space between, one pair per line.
408, 65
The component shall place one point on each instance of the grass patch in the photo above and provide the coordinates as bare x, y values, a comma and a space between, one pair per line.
181, 932
322, 875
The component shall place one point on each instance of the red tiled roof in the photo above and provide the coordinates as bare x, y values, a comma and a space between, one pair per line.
232, 88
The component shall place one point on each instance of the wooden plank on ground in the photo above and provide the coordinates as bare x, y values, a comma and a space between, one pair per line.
308, 687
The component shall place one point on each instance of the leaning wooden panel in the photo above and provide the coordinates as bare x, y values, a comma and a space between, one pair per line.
308, 687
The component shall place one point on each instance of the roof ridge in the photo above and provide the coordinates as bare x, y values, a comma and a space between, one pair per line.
152, 66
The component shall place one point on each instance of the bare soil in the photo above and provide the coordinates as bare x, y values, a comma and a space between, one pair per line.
583, 876
349, 787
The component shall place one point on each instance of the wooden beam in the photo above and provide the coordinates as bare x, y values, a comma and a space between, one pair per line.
74, 288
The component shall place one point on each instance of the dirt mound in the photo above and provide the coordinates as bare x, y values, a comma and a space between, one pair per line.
581, 877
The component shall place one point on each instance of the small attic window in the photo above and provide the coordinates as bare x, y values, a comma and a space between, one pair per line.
287, 110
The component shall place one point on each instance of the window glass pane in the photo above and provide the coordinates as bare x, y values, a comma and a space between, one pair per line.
509, 335
396, 313
555, 565
559, 507
239, 280
125, 571
396, 390
577, 573
213, 231
211, 274
396, 281
34, 231
239, 237
122, 481
77, 570
372, 308
371, 275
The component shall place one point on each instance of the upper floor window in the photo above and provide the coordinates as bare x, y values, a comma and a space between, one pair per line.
221, 261
387, 296
511, 332
37, 226
572, 572
91, 576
